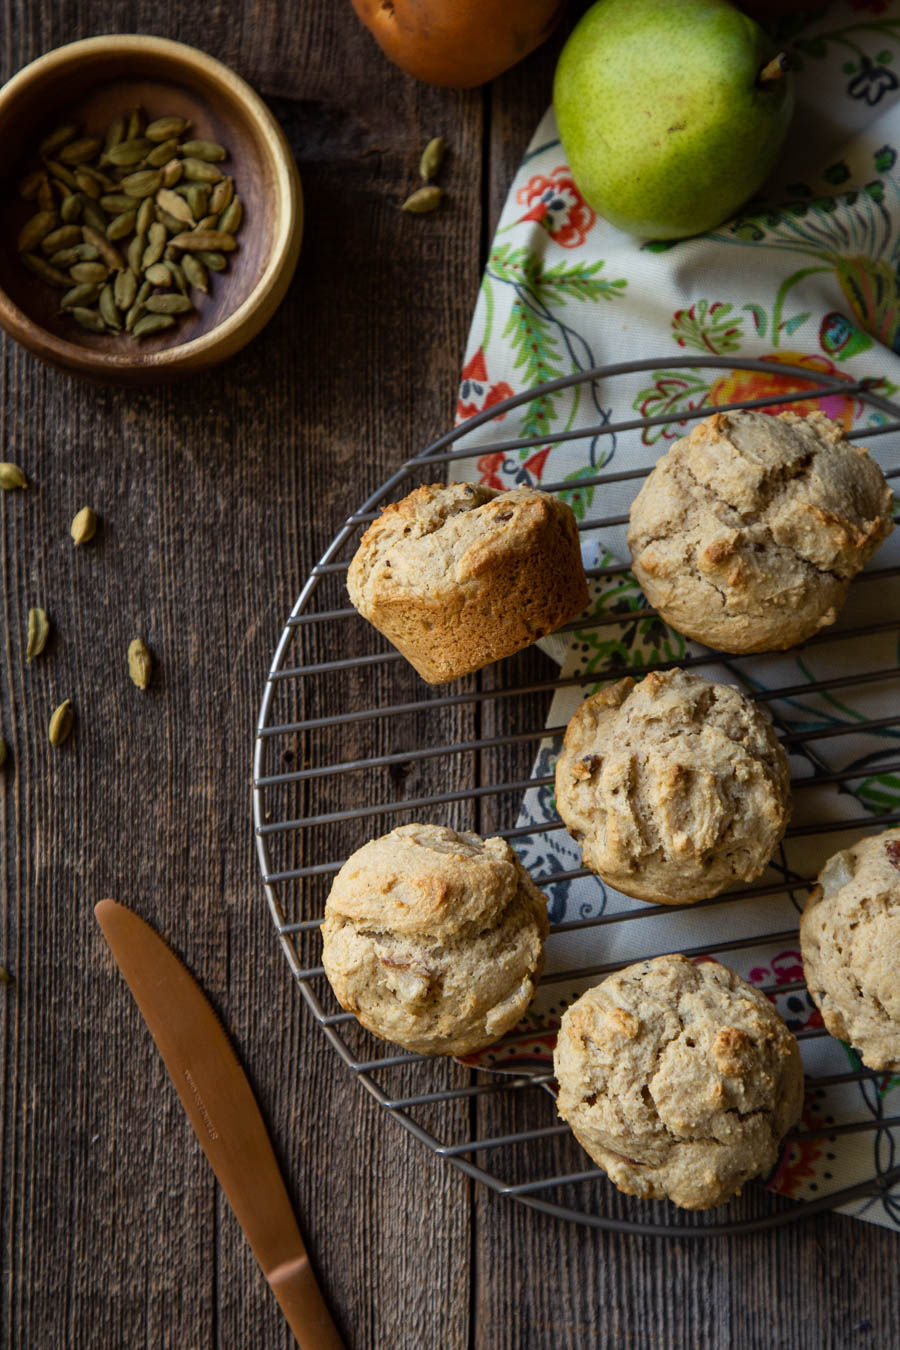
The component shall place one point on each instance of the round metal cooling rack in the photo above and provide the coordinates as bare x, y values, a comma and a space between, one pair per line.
340, 730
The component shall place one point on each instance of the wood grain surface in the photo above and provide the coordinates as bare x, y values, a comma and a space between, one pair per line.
215, 498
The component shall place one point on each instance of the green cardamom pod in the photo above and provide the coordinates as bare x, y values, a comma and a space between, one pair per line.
38, 633
109, 310
171, 173
206, 241
175, 205
115, 134
116, 202
120, 226
89, 271
59, 171
70, 208
11, 476
164, 128
167, 304
140, 663
152, 323
158, 274
432, 157
195, 272
143, 183
423, 199
156, 242
124, 289
80, 151
53, 276
145, 216
221, 197
198, 171
108, 252
210, 151
84, 526
136, 123
232, 216
34, 230
88, 318
87, 183
161, 154
127, 153
57, 139
85, 293
61, 723
64, 237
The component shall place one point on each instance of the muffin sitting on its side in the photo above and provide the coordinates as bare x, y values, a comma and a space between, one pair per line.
679, 1080
747, 533
459, 575
434, 939
675, 787
850, 940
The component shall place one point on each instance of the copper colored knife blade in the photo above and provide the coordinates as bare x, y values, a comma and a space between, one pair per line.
220, 1105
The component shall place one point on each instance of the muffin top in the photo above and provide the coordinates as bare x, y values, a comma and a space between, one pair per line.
434, 938
678, 1079
748, 530
850, 938
675, 787
443, 536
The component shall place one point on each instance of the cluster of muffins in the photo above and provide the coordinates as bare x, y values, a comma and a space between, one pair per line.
679, 1079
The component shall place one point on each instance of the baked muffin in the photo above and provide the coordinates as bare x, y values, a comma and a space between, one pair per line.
675, 787
850, 939
679, 1080
457, 575
434, 939
747, 533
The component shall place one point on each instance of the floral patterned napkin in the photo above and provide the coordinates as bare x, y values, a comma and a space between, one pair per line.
807, 277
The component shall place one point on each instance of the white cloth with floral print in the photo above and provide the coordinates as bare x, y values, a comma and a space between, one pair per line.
810, 279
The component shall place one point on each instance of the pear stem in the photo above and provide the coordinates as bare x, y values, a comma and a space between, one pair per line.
775, 69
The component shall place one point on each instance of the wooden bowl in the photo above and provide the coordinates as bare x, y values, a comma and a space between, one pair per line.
91, 82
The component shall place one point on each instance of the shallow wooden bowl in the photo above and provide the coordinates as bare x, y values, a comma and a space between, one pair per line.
92, 82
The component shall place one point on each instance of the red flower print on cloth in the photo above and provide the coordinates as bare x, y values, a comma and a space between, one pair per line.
475, 394
557, 205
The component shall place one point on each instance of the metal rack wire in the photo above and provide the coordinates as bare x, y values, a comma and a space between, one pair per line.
305, 816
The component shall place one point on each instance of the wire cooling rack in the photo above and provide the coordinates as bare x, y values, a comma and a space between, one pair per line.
344, 722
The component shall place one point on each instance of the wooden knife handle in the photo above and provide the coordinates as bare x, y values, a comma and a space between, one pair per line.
294, 1285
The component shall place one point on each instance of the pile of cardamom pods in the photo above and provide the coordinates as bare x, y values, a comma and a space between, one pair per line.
129, 223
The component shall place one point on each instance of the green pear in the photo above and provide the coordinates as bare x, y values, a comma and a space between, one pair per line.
671, 112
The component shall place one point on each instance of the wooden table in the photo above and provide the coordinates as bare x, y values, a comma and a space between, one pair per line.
216, 496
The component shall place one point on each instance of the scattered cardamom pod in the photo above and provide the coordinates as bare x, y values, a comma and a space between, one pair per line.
67, 257
61, 723
177, 275
216, 262
175, 205
135, 125
49, 193
93, 216
59, 171
38, 633
432, 158
11, 476
84, 526
136, 252
145, 216
423, 199
116, 202
140, 663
